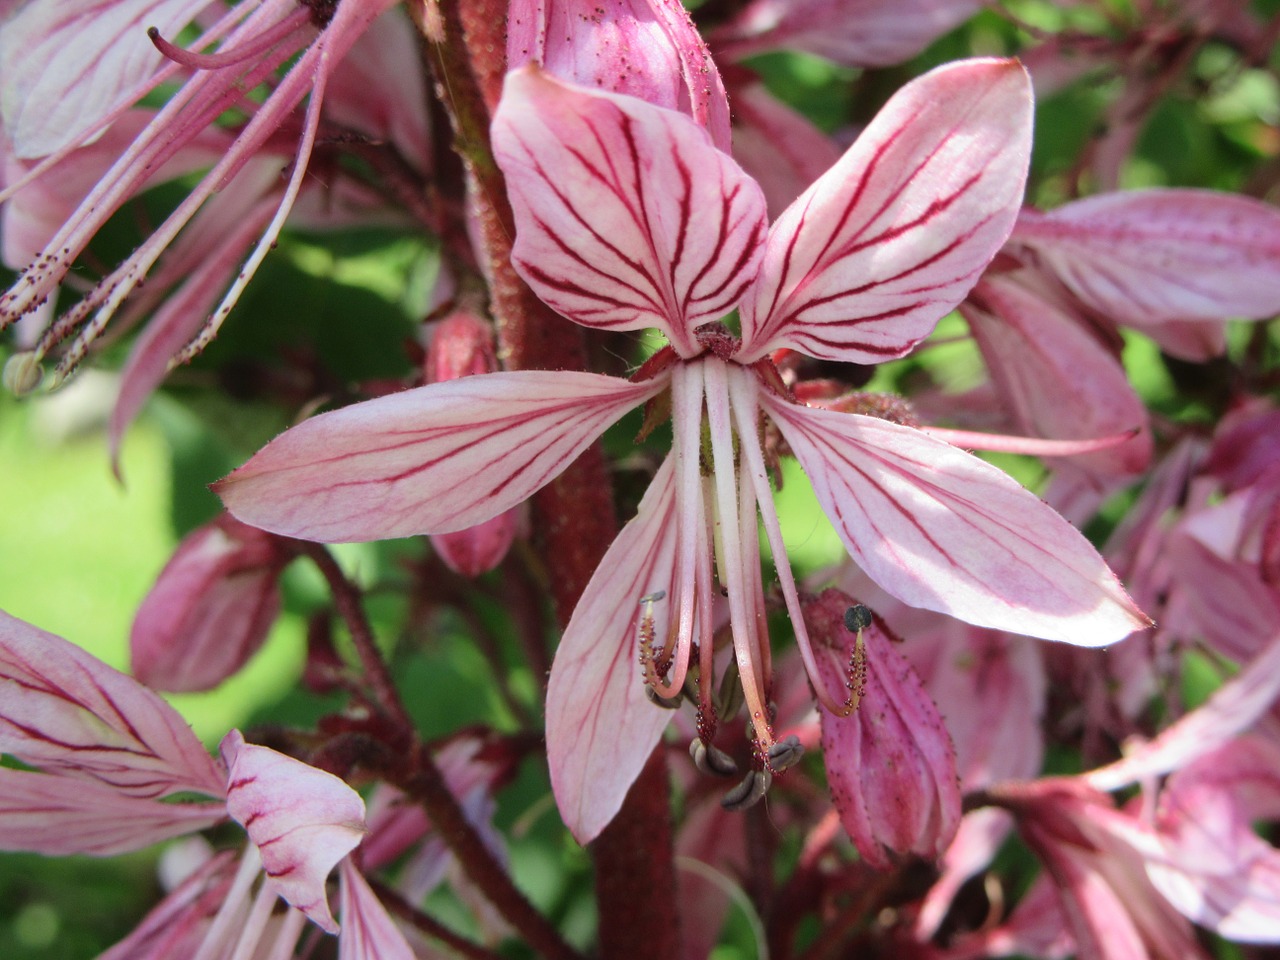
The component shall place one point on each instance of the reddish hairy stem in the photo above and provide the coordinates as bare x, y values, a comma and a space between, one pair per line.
574, 519
346, 597
428, 787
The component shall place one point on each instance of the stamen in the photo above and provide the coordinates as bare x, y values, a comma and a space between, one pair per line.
856, 619
711, 760
743, 394
783, 754
749, 792
251, 49
654, 663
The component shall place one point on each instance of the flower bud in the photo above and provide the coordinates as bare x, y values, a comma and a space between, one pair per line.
210, 608
463, 347
644, 48
890, 762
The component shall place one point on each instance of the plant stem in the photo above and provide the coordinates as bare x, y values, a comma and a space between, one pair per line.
346, 598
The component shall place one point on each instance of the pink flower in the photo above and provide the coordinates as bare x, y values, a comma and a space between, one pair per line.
629, 217
107, 760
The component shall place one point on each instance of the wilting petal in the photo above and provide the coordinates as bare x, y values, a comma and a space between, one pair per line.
627, 216
1145, 256
367, 932
58, 816
302, 820
63, 710
940, 529
644, 48
68, 63
1057, 379
871, 256
601, 725
866, 33
432, 460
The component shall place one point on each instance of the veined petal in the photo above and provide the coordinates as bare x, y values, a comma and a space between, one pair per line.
1146, 256
601, 726
58, 816
940, 529
302, 820
627, 216
1056, 379
436, 459
871, 256
368, 933
68, 63
63, 710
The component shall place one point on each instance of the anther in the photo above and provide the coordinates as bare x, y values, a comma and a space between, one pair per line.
667, 703
22, 373
711, 759
856, 619
749, 792
784, 753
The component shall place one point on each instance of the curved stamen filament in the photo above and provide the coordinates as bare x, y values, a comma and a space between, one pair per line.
745, 646
686, 417
742, 395
252, 48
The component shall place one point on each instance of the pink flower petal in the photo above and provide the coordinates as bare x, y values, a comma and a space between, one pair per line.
210, 608
432, 460
871, 256
68, 63
1145, 256
1233, 708
866, 33
601, 726
368, 933
302, 820
66, 712
1218, 872
59, 815
627, 216
940, 529
1055, 377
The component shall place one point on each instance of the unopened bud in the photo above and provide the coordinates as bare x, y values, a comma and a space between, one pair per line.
890, 763
210, 609
22, 373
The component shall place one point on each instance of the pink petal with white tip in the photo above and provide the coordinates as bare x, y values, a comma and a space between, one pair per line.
431, 460
601, 725
64, 711
302, 820
368, 933
940, 529
1147, 256
888, 241
627, 216
58, 816
67, 63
